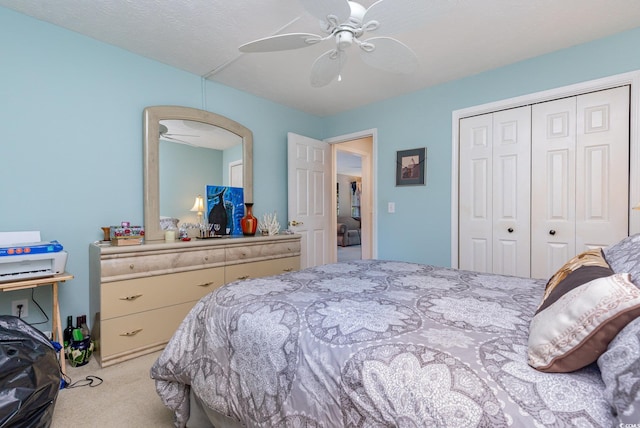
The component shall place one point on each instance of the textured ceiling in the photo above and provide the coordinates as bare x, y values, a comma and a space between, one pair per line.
202, 37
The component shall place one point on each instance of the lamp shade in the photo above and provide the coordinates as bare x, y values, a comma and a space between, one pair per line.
198, 205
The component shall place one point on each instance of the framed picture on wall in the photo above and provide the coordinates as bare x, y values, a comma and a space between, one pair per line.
411, 167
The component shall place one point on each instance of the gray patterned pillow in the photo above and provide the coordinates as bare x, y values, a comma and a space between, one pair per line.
624, 257
620, 369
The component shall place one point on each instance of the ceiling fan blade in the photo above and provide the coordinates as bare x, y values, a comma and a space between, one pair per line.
177, 140
396, 16
387, 54
331, 11
281, 42
327, 67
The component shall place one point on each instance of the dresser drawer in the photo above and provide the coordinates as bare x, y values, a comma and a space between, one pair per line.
143, 294
119, 266
263, 251
262, 268
141, 330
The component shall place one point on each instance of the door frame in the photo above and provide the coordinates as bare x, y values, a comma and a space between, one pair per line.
373, 134
630, 78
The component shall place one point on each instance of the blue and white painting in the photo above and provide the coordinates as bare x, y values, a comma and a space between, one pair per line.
225, 209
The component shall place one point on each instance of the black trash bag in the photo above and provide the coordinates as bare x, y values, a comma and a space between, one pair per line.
29, 375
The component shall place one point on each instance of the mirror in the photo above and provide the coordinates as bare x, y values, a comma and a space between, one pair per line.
193, 122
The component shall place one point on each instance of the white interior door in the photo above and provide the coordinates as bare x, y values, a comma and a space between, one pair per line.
602, 168
580, 164
553, 166
511, 191
309, 200
494, 192
475, 197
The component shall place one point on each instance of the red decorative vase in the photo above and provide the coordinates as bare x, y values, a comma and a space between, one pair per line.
249, 223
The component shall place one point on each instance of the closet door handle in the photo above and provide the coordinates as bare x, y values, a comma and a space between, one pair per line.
552, 232
510, 230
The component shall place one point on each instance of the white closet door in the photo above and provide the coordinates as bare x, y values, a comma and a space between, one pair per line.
580, 176
475, 199
602, 168
494, 192
553, 166
511, 191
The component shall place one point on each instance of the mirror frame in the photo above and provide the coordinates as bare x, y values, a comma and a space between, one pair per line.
151, 183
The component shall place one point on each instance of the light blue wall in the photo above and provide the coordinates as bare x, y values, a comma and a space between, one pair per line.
179, 184
71, 141
420, 229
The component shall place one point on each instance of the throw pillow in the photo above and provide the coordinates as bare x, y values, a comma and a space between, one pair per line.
624, 256
582, 268
620, 368
577, 326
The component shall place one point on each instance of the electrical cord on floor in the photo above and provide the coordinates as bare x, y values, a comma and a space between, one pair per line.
90, 381
67, 383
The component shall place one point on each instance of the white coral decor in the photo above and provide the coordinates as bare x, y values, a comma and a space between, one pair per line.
270, 224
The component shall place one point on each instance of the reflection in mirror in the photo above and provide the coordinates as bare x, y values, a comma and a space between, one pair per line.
184, 150
213, 155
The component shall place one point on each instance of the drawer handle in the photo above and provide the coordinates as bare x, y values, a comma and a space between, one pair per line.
244, 277
206, 258
206, 284
288, 269
133, 297
131, 266
131, 333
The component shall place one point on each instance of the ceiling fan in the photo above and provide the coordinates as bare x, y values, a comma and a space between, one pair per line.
347, 22
164, 133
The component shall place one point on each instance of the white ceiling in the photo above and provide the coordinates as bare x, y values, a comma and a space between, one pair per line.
198, 134
348, 163
202, 37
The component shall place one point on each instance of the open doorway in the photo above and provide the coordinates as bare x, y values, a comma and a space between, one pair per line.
353, 160
348, 204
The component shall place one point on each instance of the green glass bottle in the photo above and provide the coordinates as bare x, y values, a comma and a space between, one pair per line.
67, 333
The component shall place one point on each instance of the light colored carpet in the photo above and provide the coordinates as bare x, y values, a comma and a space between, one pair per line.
126, 398
352, 252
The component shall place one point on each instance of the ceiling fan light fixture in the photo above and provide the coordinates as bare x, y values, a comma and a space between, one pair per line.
344, 39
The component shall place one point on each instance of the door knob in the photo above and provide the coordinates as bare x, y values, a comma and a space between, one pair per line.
510, 230
552, 232
295, 223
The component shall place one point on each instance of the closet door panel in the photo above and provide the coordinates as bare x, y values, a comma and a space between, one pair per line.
511, 191
475, 206
553, 166
602, 168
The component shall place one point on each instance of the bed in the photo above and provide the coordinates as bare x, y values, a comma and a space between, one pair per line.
377, 343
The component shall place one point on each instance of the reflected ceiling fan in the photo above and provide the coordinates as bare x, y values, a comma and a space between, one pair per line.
347, 22
164, 133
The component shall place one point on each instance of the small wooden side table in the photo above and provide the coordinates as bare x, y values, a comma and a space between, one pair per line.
56, 323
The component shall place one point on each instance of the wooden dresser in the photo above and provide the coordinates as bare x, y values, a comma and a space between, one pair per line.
140, 294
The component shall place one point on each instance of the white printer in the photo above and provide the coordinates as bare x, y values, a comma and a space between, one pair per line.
24, 256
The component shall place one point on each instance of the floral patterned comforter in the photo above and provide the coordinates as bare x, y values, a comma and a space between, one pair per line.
373, 343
